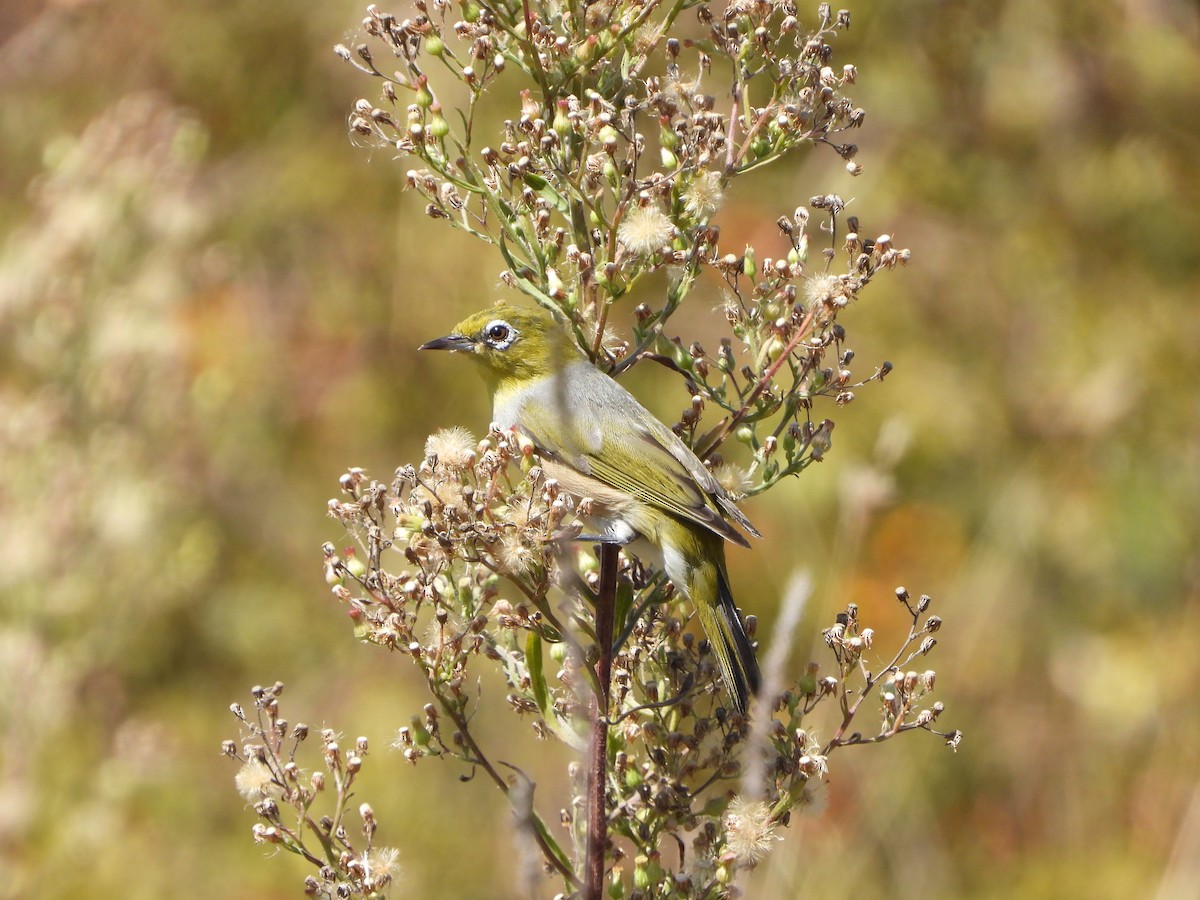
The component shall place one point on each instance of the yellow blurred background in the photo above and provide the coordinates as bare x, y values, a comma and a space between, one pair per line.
210, 302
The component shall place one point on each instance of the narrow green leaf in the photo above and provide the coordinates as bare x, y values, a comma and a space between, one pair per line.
537, 680
547, 192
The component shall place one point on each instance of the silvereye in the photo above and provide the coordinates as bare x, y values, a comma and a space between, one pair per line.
648, 490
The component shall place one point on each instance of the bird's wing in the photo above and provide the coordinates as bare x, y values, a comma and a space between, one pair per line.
632, 452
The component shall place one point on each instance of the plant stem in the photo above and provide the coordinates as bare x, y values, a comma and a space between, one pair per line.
597, 814
759, 387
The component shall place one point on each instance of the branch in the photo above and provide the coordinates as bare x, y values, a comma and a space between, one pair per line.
597, 814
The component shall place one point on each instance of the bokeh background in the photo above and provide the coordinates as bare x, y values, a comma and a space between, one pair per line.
210, 301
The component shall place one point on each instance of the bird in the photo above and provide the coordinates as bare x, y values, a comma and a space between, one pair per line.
648, 490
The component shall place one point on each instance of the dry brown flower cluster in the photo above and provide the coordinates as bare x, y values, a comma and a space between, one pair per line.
466, 561
613, 167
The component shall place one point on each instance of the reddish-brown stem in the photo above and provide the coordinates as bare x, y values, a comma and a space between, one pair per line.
597, 813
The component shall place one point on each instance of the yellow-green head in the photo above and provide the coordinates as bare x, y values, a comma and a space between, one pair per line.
513, 345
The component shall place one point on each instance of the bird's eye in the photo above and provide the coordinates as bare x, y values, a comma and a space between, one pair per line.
499, 334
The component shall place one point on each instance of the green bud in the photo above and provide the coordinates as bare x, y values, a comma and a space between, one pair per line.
683, 359
434, 45
610, 171
668, 158
744, 434
668, 138
471, 11
559, 651
646, 872
355, 566
424, 98
420, 736
760, 147
775, 348
439, 127
748, 265
641, 878
807, 684
561, 124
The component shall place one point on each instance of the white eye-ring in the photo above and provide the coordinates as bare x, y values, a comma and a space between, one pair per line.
499, 334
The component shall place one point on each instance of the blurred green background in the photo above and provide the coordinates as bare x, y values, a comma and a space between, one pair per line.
209, 307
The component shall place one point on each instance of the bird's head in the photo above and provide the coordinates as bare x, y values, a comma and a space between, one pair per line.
513, 345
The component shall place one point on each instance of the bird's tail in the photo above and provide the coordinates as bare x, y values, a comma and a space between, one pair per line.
729, 641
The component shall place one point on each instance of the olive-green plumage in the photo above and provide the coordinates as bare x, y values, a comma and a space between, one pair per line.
648, 488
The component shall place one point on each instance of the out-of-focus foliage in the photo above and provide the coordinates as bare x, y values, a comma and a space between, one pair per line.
209, 301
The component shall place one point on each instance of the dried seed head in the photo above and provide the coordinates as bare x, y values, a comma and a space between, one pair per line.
750, 830
645, 229
254, 780
452, 447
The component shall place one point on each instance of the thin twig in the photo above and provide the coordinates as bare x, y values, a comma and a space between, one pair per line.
759, 387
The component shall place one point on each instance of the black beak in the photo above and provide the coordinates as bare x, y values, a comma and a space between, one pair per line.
449, 342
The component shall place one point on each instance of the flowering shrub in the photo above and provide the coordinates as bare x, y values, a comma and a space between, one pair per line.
611, 168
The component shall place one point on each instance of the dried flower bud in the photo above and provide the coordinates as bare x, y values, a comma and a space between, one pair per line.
266, 834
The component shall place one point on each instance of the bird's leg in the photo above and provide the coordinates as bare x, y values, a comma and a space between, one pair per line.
570, 534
